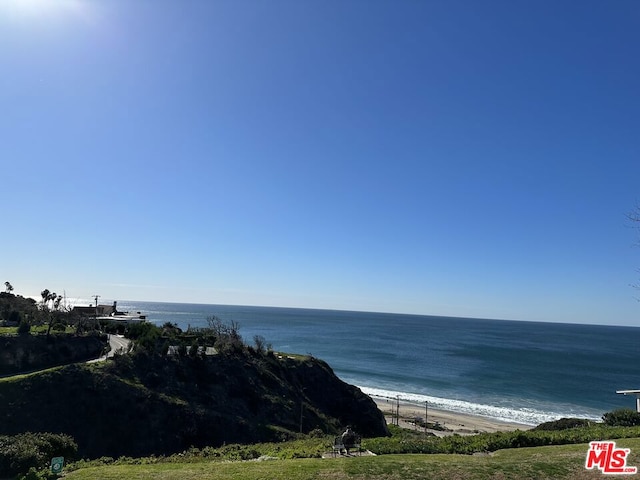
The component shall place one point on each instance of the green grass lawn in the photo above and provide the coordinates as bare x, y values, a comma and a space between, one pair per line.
557, 462
40, 329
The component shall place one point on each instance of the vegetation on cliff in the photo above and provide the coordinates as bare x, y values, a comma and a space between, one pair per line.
152, 403
173, 391
19, 453
146, 404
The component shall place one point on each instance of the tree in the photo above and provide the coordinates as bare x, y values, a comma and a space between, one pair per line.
260, 343
24, 328
15, 317
227, 337
8, 287
47, 297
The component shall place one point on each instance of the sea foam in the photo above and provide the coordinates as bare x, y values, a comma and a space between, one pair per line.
524, 415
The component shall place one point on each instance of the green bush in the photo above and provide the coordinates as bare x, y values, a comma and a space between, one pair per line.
623, 417
564, 424
19, 453
145, 335
42, 474
58, 327
490, 442
402, 441
142, 329
24, 328
316, 433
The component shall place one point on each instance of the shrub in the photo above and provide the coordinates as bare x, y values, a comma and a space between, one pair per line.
42, 474
228, 338
193, 349
171, 329
413, 442
24, 328
260, 343
623, 417
316, 433
19, 453
564, 424
145, 335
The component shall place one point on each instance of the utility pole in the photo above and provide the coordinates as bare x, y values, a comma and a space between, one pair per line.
301, 406
96, 317
393, 413
426, 416
301, 410
398, 410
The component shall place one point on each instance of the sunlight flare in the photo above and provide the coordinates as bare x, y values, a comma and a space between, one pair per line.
44, 8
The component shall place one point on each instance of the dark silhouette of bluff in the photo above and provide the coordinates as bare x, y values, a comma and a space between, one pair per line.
149, 403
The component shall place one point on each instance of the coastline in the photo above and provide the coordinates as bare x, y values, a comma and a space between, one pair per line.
454, 422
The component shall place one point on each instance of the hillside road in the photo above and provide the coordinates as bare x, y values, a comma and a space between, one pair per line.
117, 343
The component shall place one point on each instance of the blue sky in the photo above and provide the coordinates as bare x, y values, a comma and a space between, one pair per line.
457, 158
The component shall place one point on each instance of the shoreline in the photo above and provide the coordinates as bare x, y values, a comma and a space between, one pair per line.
454, 422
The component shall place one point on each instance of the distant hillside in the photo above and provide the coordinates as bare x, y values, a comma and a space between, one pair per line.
153, 404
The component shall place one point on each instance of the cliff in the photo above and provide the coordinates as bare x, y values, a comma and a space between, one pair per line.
148, 404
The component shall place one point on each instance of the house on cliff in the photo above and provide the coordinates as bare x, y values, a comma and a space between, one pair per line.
97, 311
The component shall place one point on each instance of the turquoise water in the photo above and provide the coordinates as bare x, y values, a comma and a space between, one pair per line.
517, 371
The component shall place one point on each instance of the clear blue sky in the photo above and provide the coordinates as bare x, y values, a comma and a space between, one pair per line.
467, 158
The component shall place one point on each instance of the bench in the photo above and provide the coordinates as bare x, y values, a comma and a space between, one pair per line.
339, 445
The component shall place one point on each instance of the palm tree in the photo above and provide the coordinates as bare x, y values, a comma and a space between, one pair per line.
46, 296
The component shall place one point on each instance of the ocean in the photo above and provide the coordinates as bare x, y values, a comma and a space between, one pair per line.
525, 372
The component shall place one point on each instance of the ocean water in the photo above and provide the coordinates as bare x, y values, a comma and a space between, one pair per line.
525, 372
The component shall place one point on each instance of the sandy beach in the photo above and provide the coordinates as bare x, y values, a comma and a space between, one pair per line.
454, 422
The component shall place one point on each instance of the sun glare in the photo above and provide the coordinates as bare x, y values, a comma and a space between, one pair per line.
29, 6
38, 8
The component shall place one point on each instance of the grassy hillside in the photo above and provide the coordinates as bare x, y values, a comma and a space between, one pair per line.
147, 404
272, 460
559, 463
